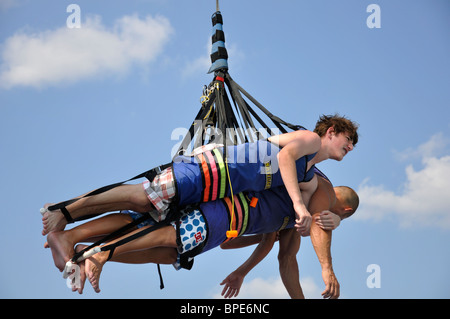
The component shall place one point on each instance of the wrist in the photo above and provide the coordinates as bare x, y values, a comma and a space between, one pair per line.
241, 271
300, 206
327, 266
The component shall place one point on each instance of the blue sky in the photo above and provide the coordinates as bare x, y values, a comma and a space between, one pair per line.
82, 108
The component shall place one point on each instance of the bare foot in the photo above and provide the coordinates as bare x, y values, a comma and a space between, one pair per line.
78, 282
52, 220
93, 269
62, 248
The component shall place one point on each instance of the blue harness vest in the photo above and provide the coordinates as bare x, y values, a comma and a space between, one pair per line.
272, 212
249, 167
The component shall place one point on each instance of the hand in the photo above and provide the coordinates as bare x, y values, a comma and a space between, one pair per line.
305, 233
303, 221
327, 220
232, 284
331, 284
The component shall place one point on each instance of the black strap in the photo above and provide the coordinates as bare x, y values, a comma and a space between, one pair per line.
275, 119
218, 36
112, 247
66, 214
150, 175
161, 282
136, 235
111, 236
217, 18
221, 53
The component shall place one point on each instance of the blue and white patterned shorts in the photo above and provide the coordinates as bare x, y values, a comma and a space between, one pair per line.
192, 231
192, 234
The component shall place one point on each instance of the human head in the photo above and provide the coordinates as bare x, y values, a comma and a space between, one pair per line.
340, 124
347, 202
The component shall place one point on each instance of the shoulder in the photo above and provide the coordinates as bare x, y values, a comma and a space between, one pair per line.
300, 136
324, 196
325, 185
310, 186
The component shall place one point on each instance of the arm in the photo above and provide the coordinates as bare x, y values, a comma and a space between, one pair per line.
321, 240
323, 199
242, 241
307, 191
287, 258
327, 220
294, 146
233, 281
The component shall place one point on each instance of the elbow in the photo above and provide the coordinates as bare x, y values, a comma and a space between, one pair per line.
285, 156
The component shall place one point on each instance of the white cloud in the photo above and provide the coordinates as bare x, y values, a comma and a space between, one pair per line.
7, 4
200, 65
310, 289
432, 148
67, 55
424, 200
273, 288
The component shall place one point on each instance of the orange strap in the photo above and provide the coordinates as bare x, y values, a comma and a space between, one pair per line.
207, 177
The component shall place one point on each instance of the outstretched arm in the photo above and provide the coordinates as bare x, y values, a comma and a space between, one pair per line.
323, 199
321, 240
233, 281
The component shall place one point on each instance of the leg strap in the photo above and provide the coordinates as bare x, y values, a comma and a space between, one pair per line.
66, 215
150, 175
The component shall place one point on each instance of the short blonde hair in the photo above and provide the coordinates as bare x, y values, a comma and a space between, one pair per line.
349, 197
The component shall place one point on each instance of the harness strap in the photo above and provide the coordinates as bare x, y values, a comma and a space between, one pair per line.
66, 215
161, 282
172, 216
275, 119
150, 175
136, 235
238, 209
112, 235
112, 247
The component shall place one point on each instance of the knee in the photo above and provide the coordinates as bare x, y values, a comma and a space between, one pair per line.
137, 197
286, 257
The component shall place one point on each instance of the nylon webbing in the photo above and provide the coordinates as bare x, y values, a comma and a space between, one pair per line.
150, 175
230, 126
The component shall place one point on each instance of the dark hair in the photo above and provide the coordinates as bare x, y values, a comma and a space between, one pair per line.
340, 124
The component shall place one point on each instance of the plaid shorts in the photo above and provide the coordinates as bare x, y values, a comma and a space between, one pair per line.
161, 192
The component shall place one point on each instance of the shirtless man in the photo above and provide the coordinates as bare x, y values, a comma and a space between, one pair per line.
342, 201
272, 212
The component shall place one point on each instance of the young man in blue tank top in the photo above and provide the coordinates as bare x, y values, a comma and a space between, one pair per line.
333, 138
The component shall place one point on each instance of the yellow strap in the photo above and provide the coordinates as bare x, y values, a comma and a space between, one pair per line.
232, 232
